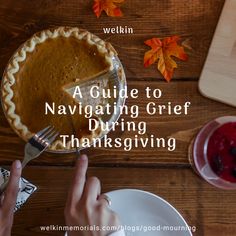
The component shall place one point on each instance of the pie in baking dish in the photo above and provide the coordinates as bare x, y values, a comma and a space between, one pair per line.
40, 69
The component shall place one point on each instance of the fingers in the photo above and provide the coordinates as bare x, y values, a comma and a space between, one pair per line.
78, 183
10, 195
1, 199
92, 190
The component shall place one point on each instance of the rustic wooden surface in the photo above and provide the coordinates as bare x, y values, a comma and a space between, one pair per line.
209, 209
164, 173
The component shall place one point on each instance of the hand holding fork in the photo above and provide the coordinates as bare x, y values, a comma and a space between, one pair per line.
35, 146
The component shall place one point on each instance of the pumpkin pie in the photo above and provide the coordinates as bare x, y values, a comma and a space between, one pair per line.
38, 72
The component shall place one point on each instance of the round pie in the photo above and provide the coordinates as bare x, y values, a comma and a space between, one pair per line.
39, 70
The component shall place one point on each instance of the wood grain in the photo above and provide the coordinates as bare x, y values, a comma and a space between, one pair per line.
167, 174
191, 19
183, 128
212, 211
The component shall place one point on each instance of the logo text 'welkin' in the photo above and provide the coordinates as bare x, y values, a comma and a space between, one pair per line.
118, 30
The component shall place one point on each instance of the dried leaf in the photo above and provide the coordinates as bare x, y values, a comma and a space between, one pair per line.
162, 51
109, 6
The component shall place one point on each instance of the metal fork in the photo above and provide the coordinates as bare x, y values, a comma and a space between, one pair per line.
35, 146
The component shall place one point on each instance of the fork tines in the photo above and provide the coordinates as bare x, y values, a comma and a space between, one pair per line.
46, 136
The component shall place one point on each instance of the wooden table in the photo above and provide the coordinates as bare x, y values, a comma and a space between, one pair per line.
167, 174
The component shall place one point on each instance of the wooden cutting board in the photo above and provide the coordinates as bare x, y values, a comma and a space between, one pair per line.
218, 78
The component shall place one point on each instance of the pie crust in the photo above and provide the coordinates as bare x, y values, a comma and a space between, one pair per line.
20, 56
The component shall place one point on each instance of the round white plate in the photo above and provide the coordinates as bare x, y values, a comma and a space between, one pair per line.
142, 209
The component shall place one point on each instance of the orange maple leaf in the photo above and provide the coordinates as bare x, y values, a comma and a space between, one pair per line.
162, 51
109, 6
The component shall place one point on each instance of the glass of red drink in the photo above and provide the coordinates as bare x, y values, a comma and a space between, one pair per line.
213, 152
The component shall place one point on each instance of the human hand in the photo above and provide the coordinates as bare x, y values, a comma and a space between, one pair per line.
86, 207
8, 200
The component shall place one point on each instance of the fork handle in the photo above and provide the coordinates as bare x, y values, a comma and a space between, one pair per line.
24, 163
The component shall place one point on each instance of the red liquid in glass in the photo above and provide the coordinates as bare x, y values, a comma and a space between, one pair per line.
221, 152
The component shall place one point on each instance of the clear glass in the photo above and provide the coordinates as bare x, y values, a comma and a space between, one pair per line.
198, 153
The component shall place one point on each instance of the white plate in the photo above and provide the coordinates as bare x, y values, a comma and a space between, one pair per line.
143, 209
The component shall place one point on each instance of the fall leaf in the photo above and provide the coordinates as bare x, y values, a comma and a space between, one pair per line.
162, 51
109, 6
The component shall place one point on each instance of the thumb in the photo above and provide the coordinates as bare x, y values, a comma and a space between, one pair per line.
10, 195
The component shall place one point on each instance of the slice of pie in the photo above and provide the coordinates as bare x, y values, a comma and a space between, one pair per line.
38, 72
